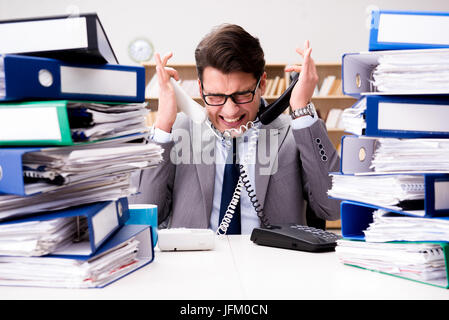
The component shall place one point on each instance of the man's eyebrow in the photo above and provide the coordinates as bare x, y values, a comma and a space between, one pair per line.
241, 91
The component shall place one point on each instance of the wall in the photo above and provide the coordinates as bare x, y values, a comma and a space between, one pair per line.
333, 27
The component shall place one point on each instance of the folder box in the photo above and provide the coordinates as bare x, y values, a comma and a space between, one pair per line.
423, 262
11, 168
399, 116
31, 78
357, 69
435, 203
399, 30
46, 123
356, 217
125, 251
79, 38
32, 171
101, 219
362, 155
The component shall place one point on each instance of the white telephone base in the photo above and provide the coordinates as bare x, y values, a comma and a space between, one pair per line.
184, 239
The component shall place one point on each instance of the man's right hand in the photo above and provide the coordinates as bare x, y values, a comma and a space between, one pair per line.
167, 107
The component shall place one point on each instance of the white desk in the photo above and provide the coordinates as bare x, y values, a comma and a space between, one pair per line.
239, 269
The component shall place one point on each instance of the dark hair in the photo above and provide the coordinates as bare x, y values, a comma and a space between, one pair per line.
229, 48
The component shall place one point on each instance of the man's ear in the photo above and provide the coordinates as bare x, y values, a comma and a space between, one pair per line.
263, 84
200, 88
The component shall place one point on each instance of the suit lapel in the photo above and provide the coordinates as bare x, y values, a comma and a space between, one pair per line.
205, 169
274, 132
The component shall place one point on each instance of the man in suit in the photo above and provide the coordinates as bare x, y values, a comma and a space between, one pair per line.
286, 162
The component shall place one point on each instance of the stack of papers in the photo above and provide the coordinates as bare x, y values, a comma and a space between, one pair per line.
418, 261
353, 120
37, 238
49, 168
421, 72
94, 121
104, 188
387, 226
411, 155
390, 191
57, 178
69, 273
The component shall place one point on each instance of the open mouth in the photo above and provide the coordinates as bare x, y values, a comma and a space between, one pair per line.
232, 122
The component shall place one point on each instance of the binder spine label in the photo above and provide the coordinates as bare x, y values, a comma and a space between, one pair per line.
413, 117
32, 36
99, 82
104, 222
441, 192
417, 29
2, 78
23, 124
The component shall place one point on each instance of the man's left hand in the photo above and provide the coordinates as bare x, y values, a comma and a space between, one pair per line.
308, 78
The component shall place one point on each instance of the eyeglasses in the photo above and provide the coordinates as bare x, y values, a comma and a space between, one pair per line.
219, 99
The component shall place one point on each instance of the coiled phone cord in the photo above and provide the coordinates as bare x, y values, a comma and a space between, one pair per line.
243, 181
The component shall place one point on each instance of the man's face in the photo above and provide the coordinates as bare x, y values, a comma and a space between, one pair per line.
231, 115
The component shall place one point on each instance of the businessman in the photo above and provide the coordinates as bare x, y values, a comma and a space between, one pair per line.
283, 165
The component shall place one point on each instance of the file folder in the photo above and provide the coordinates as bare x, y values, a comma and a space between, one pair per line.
422, 262
399, 30
31, 78
47, 123
11, 170
101, 219
125, 251
356, 154
356, 217
363, 155
405, 117
357, 69
435, 204
79, 38
32, 171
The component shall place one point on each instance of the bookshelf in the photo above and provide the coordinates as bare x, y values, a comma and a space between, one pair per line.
334, 100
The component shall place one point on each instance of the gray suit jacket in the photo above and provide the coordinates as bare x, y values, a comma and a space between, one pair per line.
183, 189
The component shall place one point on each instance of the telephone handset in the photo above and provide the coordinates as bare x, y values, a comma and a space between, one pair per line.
186, 104
273, 110
198, 114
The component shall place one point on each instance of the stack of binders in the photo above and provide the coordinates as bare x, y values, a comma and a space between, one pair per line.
394, 176
72, 136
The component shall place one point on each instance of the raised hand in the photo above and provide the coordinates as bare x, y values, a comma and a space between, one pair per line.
167, 108
308, 78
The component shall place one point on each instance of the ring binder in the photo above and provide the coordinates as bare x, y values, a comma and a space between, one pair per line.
79, 38
398, 117
26, 77
394, 30
393, 192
